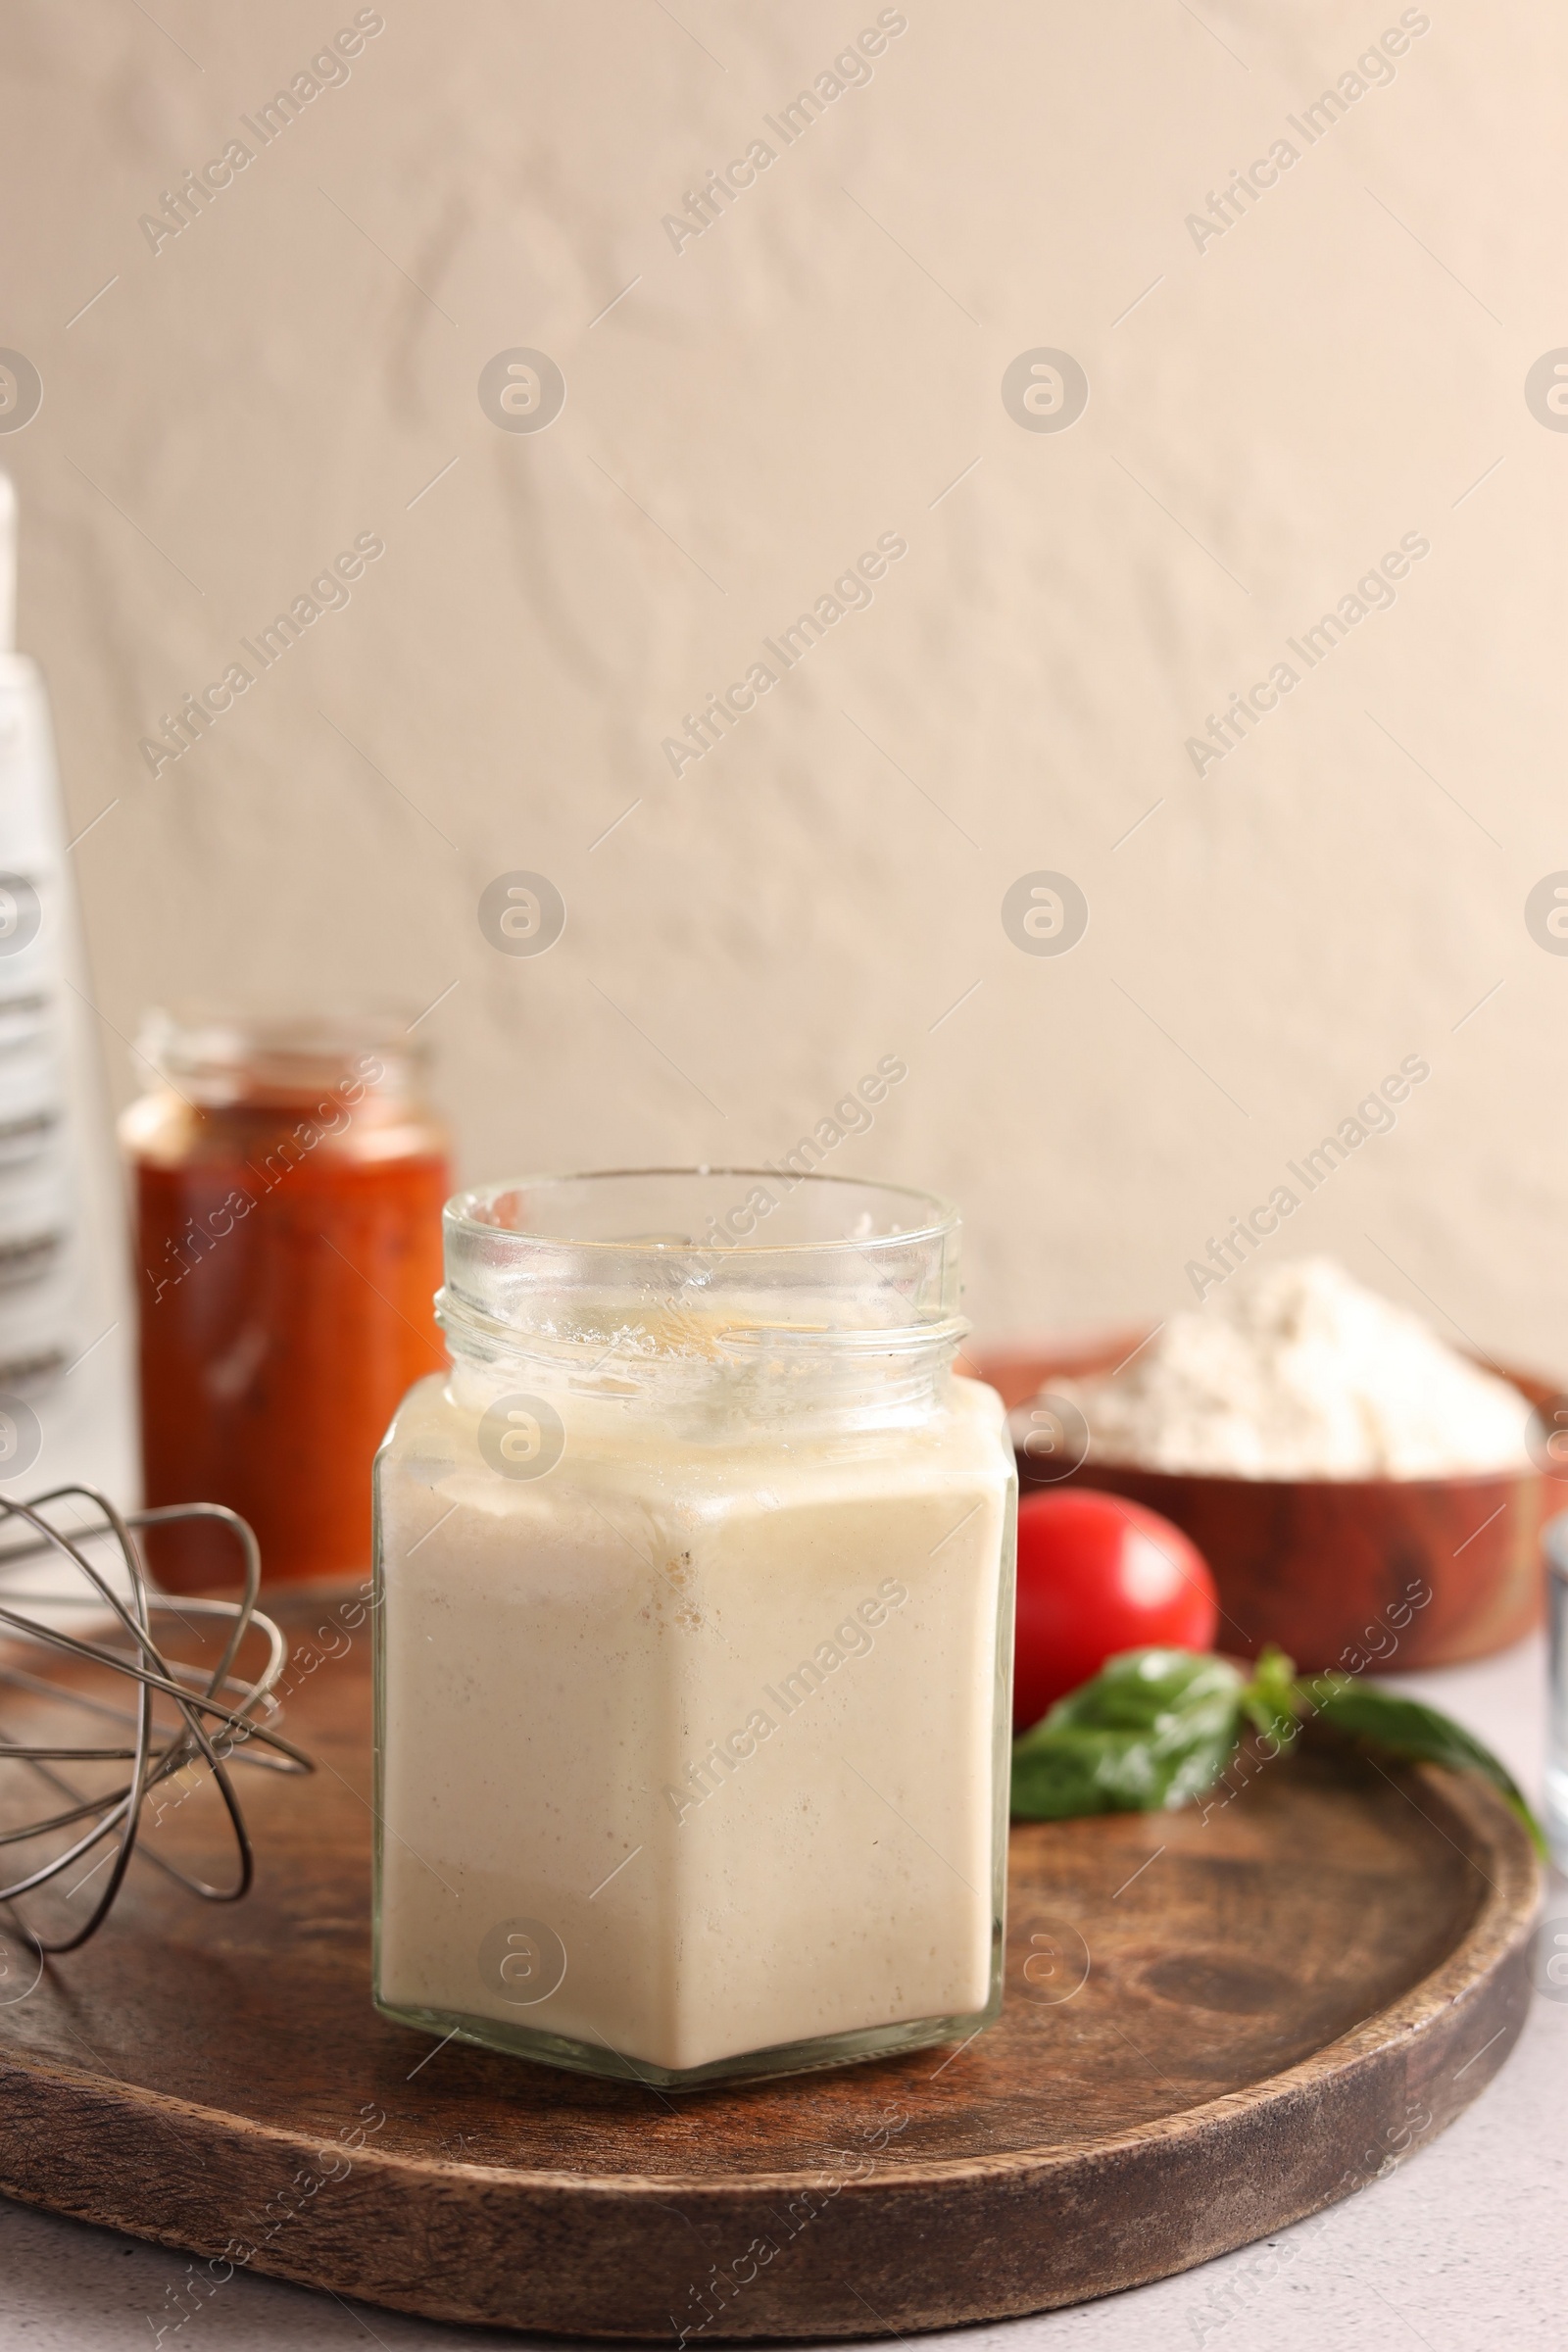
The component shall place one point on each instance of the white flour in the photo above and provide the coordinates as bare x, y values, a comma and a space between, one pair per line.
1303, 1374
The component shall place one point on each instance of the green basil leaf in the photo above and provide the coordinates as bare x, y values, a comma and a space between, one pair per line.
1270, 1698
1157, 1727
1154, 1727
1384, 1719
1138, 1689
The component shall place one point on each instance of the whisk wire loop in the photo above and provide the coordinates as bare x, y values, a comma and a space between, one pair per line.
218, 1714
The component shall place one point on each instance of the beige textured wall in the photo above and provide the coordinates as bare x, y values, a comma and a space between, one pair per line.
1335, 371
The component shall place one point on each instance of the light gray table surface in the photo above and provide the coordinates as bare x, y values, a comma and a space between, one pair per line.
1461, 2249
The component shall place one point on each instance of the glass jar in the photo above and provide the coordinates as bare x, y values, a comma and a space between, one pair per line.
694, 1634
288, 1183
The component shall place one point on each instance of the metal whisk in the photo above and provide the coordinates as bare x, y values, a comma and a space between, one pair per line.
216, 1713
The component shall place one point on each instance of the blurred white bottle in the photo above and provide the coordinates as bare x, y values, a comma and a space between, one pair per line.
66, 1336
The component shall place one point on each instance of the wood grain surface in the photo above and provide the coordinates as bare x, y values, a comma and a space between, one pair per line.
1215, 2022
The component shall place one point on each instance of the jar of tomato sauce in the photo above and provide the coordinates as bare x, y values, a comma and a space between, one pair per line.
289, 1178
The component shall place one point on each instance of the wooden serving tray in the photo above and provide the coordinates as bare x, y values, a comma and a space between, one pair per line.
1212, 2026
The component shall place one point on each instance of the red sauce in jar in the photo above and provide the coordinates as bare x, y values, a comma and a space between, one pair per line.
288, 1235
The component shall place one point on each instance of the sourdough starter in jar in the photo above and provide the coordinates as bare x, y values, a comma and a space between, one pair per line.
694, 1639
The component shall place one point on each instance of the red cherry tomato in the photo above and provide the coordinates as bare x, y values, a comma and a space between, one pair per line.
1098, 1574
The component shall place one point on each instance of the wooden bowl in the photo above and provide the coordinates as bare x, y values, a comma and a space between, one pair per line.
1390, 1574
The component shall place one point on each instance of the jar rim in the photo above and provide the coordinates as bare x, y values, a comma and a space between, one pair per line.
463, 1214
214, 1052
653, 1282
